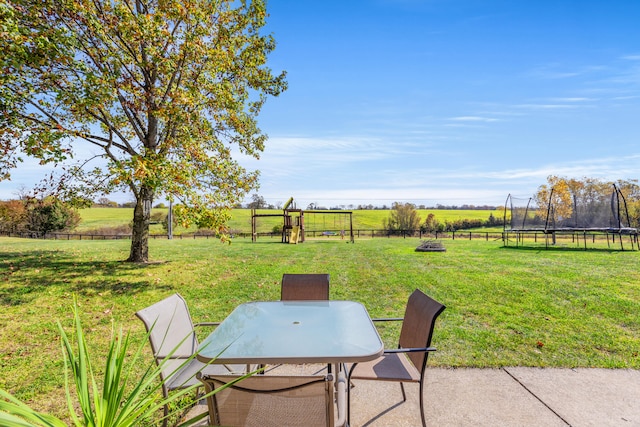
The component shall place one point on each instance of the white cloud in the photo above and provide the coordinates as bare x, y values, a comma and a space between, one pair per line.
430, 184
625, 98
576, 99
474, 119
429, 196
546, 106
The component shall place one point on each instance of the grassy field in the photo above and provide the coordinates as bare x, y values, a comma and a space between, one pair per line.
94, 218
505, 306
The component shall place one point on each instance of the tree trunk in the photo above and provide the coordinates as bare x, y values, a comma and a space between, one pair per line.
140, 233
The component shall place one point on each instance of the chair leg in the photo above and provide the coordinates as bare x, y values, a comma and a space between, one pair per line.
349, 386
166, 413
424, 423
404, 395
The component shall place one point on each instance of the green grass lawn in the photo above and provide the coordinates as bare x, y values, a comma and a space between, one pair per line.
505, 306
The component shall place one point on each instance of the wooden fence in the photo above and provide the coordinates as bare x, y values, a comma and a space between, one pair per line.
358, 234
579, 240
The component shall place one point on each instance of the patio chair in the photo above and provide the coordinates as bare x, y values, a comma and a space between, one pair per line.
407, 363
305, 287
170, 329
275, 400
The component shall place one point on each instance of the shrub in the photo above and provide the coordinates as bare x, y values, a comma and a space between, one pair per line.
50, 214
38, 215
13, 215
403, 216
116, 401
431, 224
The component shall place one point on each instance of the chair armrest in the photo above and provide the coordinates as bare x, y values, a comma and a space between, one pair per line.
410, 350
341, 399
388, 319
171, 357
199, 325
206, 324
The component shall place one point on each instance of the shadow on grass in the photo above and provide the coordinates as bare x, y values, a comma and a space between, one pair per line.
40, 269
567, 249
318, 240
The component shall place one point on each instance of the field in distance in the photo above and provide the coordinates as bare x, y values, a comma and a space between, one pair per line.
97, 218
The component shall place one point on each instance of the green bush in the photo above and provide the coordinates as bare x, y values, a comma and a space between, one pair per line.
403, 216
40, 216
50, 214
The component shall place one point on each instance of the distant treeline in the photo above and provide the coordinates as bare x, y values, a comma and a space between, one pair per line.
260, 203
423, 207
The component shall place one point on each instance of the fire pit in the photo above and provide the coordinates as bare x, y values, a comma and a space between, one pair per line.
431, 246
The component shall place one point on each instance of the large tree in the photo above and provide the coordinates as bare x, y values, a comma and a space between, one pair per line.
149, 96
554, 199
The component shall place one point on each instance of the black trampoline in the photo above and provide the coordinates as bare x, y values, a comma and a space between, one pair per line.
579, 217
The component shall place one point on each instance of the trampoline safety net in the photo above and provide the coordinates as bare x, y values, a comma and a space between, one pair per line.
589, 211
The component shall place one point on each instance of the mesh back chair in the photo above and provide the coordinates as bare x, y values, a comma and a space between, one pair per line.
407, 363
274, 400
170, 329
305, 287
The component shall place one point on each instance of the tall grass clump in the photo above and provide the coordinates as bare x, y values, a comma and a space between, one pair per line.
120, 399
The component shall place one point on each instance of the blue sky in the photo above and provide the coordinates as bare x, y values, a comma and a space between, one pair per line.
446, 101
449, 101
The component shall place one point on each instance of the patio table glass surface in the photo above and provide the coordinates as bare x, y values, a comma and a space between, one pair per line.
293, 332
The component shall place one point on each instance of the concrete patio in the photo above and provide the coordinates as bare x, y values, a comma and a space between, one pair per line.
507, 397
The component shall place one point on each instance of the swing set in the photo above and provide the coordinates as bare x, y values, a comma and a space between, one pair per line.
293, 228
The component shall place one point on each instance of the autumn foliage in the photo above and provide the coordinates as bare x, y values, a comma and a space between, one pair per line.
150, 97
589, 201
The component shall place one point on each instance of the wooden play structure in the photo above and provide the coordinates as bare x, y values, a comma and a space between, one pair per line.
293, 227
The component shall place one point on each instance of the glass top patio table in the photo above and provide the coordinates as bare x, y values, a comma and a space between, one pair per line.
294, 332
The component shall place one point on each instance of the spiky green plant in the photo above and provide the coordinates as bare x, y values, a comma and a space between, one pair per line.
123, 400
